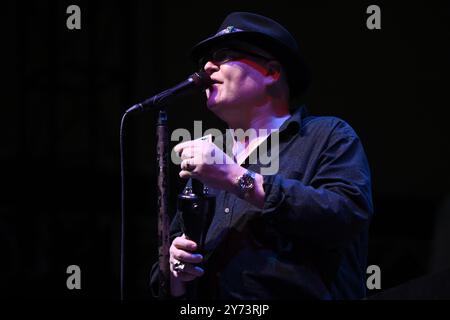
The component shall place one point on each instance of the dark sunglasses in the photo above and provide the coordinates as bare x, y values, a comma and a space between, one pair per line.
223, 55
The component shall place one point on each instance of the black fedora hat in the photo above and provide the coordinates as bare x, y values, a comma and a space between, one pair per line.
266, 34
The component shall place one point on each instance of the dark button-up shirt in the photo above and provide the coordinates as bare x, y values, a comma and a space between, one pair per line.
309, 241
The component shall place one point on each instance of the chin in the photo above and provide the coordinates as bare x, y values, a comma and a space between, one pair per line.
216, 109
212, 103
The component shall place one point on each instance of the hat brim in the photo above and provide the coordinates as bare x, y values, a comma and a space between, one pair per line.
298, 72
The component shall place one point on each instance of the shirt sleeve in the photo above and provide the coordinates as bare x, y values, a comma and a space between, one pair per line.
335, 204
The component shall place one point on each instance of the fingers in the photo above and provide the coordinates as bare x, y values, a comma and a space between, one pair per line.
189, 272
184, 243
180, 251
185, 256
195, 155
186, 174
188, 152
188, 165
181, 146
187, 269
189, 148
189, 161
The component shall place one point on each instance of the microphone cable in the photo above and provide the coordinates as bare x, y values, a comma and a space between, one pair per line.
122, 209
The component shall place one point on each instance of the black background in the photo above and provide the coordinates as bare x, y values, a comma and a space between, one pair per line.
65, 91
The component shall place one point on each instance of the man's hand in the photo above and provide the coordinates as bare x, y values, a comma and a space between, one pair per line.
181, 252
204, 161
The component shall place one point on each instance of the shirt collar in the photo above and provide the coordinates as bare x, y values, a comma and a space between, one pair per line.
294, 123
288, 129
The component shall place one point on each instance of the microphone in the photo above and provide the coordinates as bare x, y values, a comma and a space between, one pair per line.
198, 81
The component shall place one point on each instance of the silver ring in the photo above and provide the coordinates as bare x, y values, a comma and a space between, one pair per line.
179, 266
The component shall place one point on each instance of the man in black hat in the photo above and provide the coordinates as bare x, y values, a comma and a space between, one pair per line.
297, 233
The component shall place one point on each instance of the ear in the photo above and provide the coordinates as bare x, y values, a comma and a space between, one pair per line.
273, 70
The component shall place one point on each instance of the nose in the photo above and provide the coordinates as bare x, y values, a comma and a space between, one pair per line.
210, 67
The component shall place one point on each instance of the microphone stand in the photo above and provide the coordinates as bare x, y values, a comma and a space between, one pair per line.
162, 151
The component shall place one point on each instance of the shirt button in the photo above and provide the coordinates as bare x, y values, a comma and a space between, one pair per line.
227, 210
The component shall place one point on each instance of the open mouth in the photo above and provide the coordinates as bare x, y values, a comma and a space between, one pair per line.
213, 86
214, 81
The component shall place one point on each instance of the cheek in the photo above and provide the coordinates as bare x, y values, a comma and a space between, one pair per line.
243, 86
237, 83
239, 78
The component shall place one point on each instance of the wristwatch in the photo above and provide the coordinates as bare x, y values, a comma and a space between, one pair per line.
246, 184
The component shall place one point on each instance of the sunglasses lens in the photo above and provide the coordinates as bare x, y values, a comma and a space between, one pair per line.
221, 56
218, 56
224, 55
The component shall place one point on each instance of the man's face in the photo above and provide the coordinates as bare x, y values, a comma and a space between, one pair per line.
240, 81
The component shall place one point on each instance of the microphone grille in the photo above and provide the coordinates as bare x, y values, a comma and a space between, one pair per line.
202, 79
